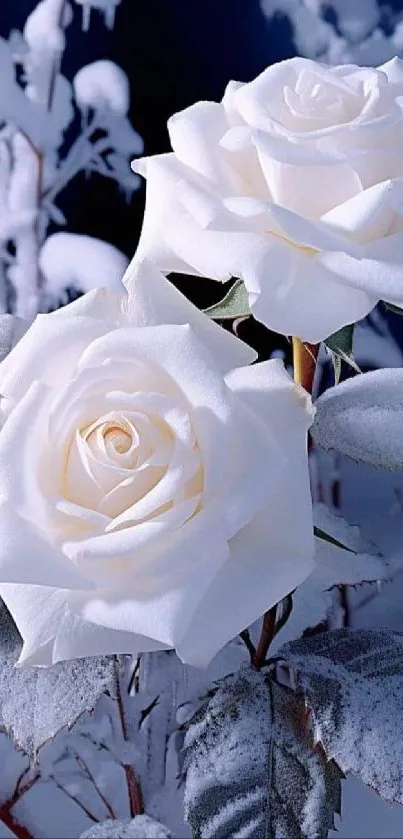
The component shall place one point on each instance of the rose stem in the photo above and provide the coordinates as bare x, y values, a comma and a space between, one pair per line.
133, 784
266, 637
19, 830
304, 362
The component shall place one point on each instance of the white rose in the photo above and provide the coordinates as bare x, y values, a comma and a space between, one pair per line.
154, 493
293, 183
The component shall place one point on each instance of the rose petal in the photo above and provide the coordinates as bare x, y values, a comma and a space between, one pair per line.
52, 632
48, 352
257, 574
99, 304
291, 172
153, 300
195, 135
26, 557
368, 216
162, 604
177, 350
26, 478
162, 174
282, 278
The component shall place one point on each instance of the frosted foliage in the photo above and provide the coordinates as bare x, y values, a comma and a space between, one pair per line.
172, 690
38, 158
13, 764
313, 601
102, 85
37, 703
353, 683
362, 418
106, 7
357, 37
42, 30
141, 827
62, 111
248, 773
82, 262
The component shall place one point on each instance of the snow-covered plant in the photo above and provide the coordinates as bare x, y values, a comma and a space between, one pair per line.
341, 31
175, 649
38, 108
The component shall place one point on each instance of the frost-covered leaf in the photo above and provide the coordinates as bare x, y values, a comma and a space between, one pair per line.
340, 345
104, 86
352, 681
397, 310
168, 693
141, 827
70, 260
361, 563
35, 703
235, 304
326, 537
362, 418
55, 214
250, 770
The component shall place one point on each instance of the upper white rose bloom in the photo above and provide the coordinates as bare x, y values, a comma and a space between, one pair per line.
293, 183
154, 488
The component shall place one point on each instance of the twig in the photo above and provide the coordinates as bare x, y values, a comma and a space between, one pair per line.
6, 815
245, 637
133, 784
84, 766
19, 830
73, 798
345, 605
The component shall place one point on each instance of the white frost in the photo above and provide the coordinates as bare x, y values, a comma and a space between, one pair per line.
141, 827
102, 86
363, 418
82, 262
106, 7
357, 36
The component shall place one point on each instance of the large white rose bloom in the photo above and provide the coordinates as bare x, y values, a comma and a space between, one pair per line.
293, 183
154, 488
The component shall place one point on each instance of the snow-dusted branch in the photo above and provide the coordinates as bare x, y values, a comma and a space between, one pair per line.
36, 108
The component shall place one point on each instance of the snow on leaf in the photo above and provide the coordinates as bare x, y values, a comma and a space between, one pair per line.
235, 304
43, 30
17, 109
170, 691
362, 418
250, 770
70, 260
104, 86
313, 601
141, 827
36, 703
340, 346
352, 681
106, 7
122, 135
